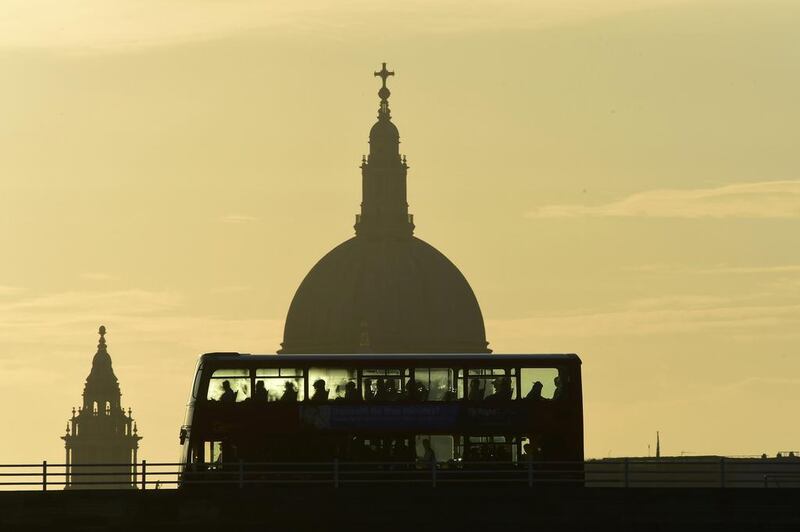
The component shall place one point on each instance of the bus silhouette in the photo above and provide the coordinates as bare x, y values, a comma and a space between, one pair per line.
448, 412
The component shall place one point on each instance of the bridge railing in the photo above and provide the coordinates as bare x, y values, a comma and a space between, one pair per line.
615, 473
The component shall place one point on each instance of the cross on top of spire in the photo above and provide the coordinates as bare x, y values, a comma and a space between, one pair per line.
384, 92
383, 74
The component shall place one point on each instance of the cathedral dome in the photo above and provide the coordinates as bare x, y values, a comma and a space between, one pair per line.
384, 296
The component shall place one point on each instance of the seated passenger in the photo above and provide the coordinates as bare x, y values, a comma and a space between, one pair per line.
536, 392
228, 395
475, 390
350, 392
497, 390
502, 389
261, 394
423, 392
320, 394
414, 390
508, 389
381, 392
429, 457
559, 388
289, 392
369, 395
391, 390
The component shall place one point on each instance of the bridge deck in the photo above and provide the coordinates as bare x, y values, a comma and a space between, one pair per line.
452, 508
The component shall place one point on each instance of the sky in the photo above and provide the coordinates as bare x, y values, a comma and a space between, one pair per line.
614, 178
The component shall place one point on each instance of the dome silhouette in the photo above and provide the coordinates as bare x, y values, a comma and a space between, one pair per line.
384, 296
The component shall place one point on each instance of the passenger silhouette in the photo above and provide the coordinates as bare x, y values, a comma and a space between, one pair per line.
289, 392
320, 393
508, 389
536, 392
429, 456
475, 390
381, 391
422, 391
351, 392
415, 390
260, 394
559, 387
369, 395
391, 390
228, 395
502, 389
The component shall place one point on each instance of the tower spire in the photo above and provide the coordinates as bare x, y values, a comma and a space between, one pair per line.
384, 206
658, 444
101, 345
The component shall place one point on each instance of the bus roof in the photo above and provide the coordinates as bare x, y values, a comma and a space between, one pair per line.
364, 357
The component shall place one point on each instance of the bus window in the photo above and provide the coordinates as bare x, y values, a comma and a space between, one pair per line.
279, 384
383, 384
442, 448
435, 384
333, 384
229, 385
488, 449
490, 384
212, 452
539, 383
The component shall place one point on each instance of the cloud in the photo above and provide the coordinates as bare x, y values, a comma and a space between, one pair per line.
669, 315
769, 199
720, 269
67, 321
238, 219
100, 25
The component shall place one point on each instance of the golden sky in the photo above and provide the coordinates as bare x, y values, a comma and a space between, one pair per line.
617, 178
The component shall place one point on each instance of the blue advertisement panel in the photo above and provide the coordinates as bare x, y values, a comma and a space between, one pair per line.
399, 417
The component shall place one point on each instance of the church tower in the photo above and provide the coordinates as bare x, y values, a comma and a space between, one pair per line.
384, 290
101, 432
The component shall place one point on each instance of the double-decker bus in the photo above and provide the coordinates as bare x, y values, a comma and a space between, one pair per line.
451, 409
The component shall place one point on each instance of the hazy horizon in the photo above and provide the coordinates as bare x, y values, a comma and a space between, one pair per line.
614, 178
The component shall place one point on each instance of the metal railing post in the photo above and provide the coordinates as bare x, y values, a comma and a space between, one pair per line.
433, 473
44, 475
335, 472
627, 473
144, 475
241, 474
